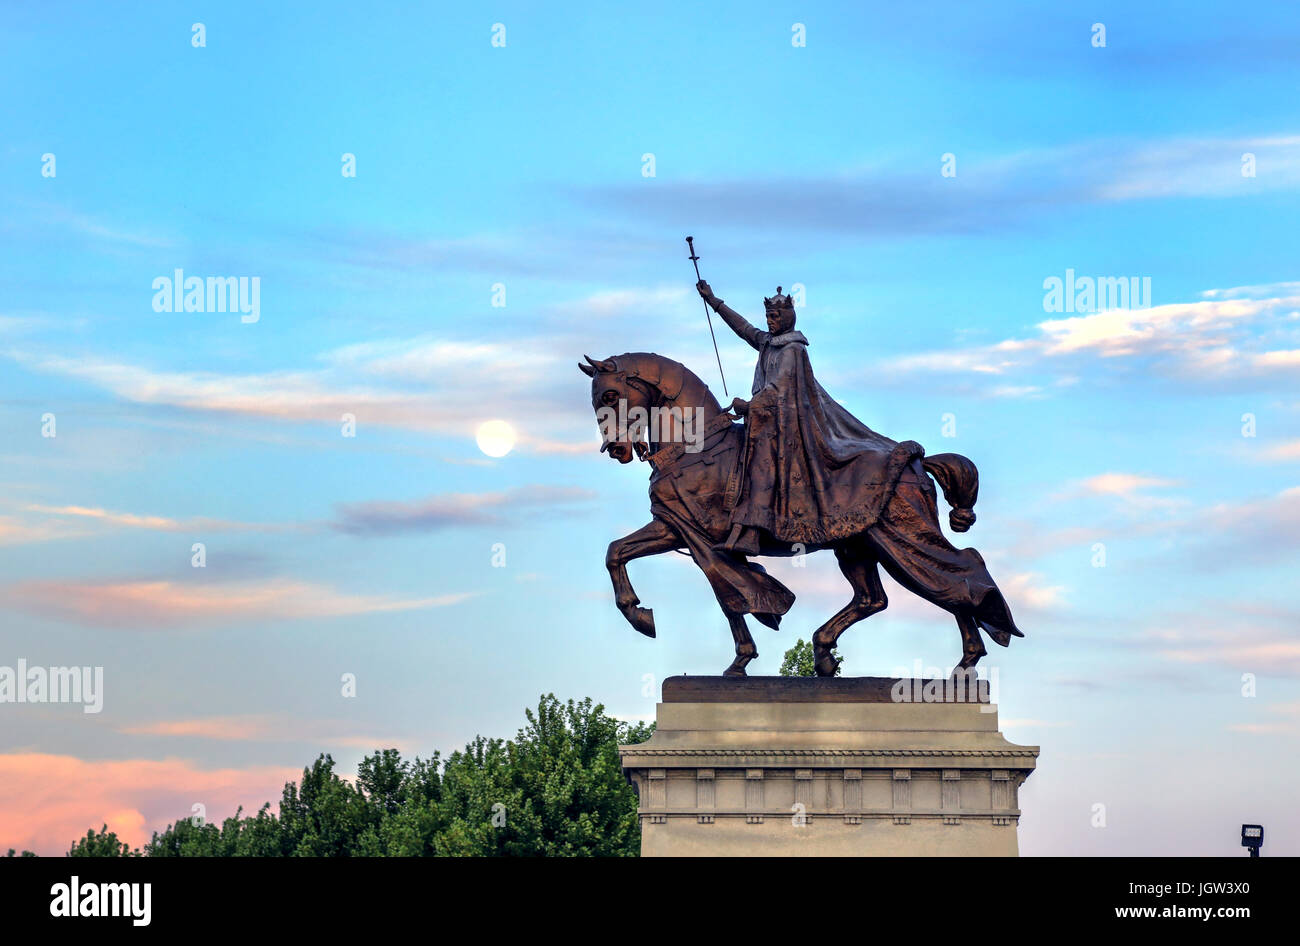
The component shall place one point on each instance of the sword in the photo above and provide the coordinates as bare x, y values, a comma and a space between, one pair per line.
690, 242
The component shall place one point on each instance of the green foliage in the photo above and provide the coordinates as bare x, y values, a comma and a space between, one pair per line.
102, 843
798, 661
557, 789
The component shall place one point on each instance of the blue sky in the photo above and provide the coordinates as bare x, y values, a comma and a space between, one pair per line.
522, 165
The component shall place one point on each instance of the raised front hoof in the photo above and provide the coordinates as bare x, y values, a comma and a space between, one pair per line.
1002, 638
642, 620
826, 665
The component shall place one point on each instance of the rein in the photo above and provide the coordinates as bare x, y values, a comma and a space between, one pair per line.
668, 457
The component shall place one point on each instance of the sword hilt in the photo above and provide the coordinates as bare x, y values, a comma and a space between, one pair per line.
690, 241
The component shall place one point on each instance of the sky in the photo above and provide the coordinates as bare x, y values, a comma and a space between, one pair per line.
920, 172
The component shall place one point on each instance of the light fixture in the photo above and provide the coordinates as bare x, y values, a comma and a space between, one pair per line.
1252, 836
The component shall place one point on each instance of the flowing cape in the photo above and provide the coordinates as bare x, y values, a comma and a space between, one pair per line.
813, 472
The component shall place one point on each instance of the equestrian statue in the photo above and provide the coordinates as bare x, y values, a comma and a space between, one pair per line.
788, 472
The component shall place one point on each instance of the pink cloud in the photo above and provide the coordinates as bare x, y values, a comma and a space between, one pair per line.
132, 520
157, 603
253, 728
47, 801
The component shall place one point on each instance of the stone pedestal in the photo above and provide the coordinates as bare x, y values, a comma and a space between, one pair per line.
794, 766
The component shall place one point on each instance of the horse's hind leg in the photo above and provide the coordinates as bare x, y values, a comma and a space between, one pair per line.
745, 648
972, 644
859, 565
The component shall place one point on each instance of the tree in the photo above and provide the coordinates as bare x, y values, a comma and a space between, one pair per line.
556, 789
798, 661
103, 843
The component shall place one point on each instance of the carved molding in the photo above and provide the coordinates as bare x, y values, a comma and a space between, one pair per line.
902, 793
633, 752
803, 788
852, 790
754, 792
704, 790
1001, 818
657, 789
951, 791
1001, 789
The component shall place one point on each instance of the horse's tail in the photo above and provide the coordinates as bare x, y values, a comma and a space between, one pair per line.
960, 482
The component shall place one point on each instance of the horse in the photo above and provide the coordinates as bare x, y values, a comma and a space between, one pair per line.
694, 483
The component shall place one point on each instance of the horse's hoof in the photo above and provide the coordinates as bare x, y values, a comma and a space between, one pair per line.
737, 668
826, 665
643, 621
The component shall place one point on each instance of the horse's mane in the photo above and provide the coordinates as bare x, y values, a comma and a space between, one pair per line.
664, 373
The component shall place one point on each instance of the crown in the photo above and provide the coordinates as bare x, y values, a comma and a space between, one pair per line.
778, 302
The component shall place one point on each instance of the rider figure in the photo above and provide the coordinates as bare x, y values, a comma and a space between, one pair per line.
776, 379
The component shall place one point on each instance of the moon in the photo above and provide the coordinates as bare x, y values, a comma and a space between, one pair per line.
496, 438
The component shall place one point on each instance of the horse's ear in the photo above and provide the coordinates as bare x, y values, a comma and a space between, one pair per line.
588, 370
606, 365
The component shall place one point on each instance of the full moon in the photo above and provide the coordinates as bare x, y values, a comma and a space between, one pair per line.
496, 438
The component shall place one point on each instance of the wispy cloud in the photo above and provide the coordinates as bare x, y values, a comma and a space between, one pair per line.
154, 523
456, 509
14, 531
270, 728
1133, 488
908, 197
1246, 637
164, 603
429, 384
1222, 340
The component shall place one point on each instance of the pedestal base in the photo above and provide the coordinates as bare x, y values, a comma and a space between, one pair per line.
792, 766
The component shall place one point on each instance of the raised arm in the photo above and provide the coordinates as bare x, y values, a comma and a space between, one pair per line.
735, 321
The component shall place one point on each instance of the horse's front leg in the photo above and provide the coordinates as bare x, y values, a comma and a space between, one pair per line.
650, 539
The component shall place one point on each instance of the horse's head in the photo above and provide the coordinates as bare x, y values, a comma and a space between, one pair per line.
627, 389
615, 392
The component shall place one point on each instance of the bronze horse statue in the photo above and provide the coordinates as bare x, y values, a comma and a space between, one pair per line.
697, 471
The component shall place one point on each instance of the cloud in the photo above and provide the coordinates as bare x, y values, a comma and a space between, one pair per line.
1229, 339
429, 384
16, 532
163, 603
265, 728
1121, 484
224, 728
1015, 390
1030, 540
1247, 637
155, 523
1027, 592
908, 197
1247, 532
456, 509
48, 801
